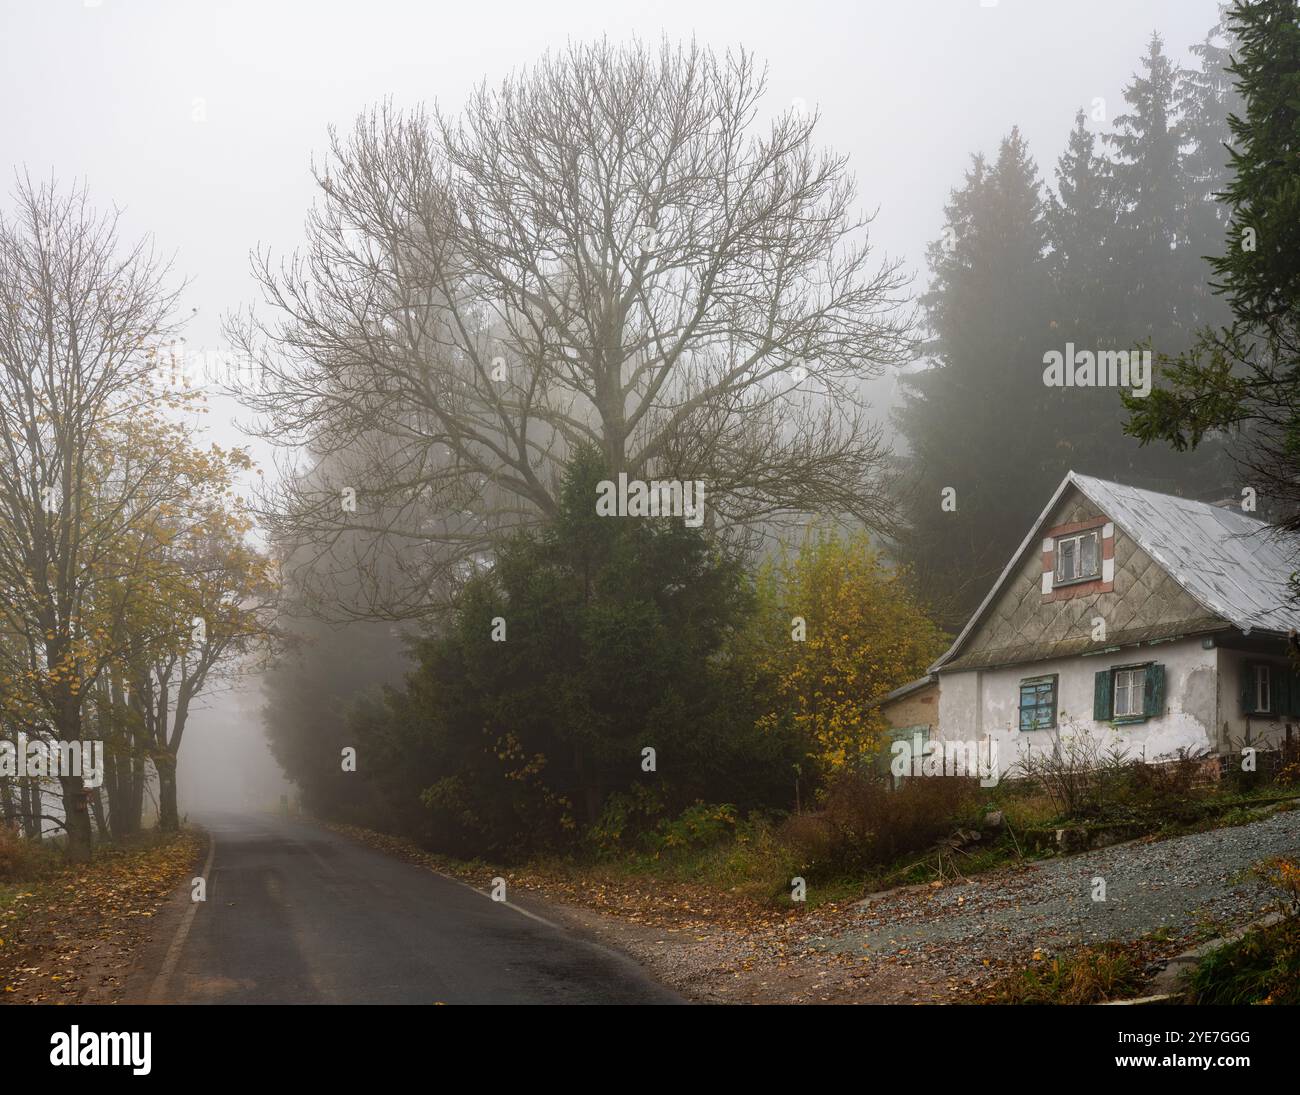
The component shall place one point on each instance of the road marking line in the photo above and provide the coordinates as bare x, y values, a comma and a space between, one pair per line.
158, 990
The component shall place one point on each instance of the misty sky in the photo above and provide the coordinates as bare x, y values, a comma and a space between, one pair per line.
200, 119
109, 93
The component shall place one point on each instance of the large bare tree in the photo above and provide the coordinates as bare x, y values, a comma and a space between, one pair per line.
609, 247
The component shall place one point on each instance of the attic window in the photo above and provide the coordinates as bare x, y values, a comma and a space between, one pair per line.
1078, 558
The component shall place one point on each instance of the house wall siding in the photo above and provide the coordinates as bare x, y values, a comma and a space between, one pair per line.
977, 704
1024, 624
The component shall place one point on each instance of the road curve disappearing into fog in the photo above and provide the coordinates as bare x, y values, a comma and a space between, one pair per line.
296, 914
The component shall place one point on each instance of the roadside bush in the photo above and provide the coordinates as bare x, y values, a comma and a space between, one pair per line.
863, 823
22, 859
625, 821
1288, 764
700, 826
632, 823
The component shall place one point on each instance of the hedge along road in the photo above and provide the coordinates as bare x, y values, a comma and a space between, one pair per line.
298, 915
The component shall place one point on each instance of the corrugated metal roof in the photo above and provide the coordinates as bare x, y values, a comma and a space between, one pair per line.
1234, 565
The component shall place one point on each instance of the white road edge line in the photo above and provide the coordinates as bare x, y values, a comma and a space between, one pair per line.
158, 990
507, 904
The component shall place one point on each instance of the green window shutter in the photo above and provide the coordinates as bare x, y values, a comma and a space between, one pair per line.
1294, 679
1153, 698
1281, 685
1248, 688
1101, 696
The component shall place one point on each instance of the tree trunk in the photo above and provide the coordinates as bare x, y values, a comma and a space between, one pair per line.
29, 796
97, 808
76, 819
136, 784
168, 816
76, 803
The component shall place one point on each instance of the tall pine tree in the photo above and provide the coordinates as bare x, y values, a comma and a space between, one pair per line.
1245, 379
974, 419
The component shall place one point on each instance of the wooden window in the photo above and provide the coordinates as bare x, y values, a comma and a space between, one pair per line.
1269, 689
1038, 703
1129, 693
1129, 687
1078, 557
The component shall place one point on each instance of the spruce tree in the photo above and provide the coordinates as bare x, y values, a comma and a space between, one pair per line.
1245, 378
1209, 99
1160, 271
974, 419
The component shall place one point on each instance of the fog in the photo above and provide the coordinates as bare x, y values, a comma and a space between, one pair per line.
200, 120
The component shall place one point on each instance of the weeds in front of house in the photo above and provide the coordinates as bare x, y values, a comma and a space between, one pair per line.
1085, 975
1263, 966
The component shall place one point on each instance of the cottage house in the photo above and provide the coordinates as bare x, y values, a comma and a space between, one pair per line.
1152, 622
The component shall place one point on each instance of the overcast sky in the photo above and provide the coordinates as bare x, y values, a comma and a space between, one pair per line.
110, 92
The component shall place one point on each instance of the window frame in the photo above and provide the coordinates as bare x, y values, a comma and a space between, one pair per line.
1055, 680
1136, 686
1263, 672
1077, 539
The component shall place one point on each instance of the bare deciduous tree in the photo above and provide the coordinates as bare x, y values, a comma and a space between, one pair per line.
606, 248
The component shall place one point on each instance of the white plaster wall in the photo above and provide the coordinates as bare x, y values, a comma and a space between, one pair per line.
977, 703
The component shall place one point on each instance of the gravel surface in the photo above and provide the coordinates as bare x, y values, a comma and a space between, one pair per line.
1181, 884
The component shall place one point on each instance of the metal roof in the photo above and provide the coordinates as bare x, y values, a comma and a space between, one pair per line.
1236, 567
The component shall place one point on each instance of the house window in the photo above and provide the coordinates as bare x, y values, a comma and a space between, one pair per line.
1078, 558
1038, 703
1269, 689
1129, 693
1129, 690
1263, 689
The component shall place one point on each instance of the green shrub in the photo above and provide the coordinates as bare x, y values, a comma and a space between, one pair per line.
1263, 967
627, 818
700, 826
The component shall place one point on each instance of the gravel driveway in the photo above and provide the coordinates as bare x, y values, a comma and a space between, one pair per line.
1178, 884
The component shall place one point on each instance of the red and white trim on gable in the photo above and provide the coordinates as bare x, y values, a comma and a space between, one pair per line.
1104, 584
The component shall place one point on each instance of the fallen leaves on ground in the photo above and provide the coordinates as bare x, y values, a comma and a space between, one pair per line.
75, 934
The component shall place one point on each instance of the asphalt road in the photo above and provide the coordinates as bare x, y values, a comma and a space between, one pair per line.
297, 914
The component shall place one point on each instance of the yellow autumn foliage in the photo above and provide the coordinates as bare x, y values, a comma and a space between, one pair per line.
864, 631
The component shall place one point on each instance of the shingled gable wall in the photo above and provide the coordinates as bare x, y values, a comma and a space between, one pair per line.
1026, 624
